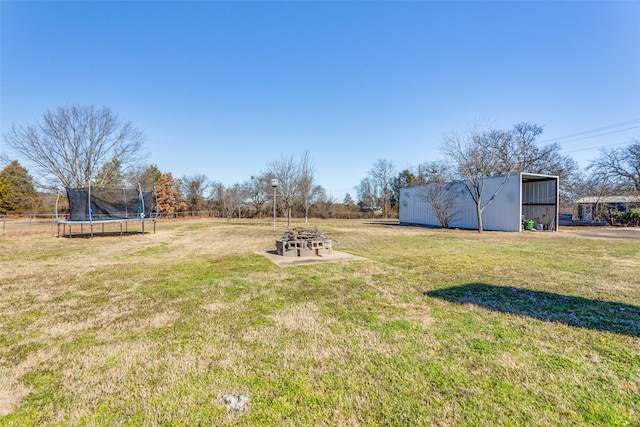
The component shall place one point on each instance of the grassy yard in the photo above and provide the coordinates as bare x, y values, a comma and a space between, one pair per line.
435, 327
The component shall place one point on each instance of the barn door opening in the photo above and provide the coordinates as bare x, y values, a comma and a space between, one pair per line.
540, 202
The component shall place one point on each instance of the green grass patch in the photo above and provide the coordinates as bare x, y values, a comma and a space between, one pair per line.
436, 327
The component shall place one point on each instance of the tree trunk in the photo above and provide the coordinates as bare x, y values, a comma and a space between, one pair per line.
479, 213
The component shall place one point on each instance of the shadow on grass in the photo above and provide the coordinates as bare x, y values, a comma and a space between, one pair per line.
102, 234
574, 311
395, 223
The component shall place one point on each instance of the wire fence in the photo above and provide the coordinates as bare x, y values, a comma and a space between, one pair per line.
21, 224
47, 223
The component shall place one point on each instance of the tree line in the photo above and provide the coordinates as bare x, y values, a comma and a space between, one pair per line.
297, 194
76, 145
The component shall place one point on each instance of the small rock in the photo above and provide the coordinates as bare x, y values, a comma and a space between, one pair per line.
236, 403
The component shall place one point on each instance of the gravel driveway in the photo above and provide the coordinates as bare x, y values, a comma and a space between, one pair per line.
604, 232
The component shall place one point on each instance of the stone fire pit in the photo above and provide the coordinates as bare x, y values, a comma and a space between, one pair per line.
303, 242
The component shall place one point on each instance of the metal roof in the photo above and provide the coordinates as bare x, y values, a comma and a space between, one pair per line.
609, 199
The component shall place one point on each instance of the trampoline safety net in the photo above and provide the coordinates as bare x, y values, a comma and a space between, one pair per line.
108, 204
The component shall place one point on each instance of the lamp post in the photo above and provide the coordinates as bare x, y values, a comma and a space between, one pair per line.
274, 184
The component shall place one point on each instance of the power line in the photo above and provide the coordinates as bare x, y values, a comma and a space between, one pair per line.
600, 129
600, 134
596, 148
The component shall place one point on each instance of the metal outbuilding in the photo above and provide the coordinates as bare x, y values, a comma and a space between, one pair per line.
523, 197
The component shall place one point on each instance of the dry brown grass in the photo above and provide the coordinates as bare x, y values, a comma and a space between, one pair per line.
160, 326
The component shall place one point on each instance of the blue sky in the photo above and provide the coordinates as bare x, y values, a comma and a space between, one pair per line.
221, 88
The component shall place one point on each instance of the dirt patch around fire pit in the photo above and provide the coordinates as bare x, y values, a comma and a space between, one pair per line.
334, 256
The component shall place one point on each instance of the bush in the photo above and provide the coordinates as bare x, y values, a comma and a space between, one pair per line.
630, 218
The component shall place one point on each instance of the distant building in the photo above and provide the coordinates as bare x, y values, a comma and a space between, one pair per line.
591, 208
524, 197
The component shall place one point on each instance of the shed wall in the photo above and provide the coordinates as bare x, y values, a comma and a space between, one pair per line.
502, 214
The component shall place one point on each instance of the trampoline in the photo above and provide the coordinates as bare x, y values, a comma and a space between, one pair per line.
90, 207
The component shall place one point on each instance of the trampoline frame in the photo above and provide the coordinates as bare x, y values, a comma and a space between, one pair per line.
102, 221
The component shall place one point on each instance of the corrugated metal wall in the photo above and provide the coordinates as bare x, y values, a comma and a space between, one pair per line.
414, 209
503, 213
539, 200
539, 192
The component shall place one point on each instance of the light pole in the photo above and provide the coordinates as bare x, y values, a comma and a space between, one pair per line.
274, 184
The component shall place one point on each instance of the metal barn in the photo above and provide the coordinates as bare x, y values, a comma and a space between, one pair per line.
524, 198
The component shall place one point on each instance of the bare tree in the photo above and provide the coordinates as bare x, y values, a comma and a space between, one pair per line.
73, 144
368, 195
546, 159
221, 197
4, 160
439, 191
194, 189
382, 173
571, 178
595, 188
258, 189
145, 175
110, 175
621, 166
517, 152
325, 206
307, 184
237, 196
478, 155
287, 172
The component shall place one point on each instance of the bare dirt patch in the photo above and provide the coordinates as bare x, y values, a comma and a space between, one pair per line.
334, 256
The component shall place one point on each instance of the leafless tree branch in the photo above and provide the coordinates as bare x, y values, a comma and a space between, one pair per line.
72, 144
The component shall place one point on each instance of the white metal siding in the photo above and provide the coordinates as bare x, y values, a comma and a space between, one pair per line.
503, 213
